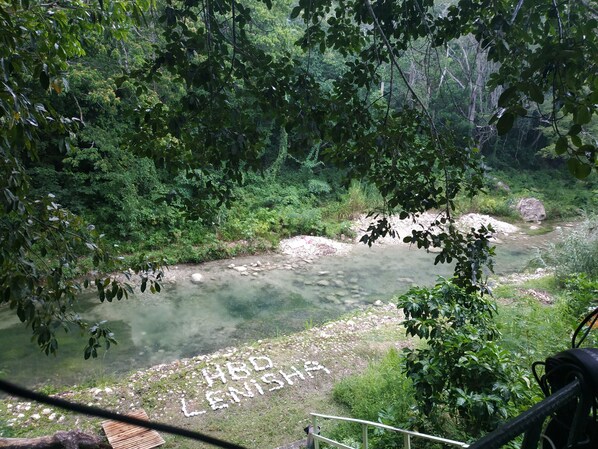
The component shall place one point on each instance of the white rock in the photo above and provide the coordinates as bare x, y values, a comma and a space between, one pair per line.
531, 209
197, 278
240, 269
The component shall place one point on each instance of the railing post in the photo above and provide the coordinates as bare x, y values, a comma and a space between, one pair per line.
406, 441
364, 430
315, 431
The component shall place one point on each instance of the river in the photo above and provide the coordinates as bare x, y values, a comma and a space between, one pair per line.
230, 308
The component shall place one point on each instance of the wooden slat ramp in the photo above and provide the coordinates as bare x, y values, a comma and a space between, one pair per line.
126, 436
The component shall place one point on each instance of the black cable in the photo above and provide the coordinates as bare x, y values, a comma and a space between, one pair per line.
594, 315
16, 390
541, 379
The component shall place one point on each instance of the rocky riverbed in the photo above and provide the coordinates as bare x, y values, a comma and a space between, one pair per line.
295, 252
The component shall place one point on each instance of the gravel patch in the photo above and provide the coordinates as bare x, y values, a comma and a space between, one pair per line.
308, 247
425, 220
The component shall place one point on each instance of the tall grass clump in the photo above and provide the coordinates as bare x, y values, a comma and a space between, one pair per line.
381, 393
359, 198
576, 252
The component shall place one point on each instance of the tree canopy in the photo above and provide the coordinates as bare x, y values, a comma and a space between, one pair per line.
200, 85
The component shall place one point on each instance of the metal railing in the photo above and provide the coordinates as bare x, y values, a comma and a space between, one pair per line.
407, 434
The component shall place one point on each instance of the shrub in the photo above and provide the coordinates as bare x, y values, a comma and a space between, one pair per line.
318, 187
382, 393
462, 372
576, 252
359, 198
582, 295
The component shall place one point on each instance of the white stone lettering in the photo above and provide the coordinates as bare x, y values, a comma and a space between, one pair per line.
234, 393
244, 380
312, 365
296, 373
271, 378
238, 371
216, 402
261, 363
190, 414
211, 377
257, 386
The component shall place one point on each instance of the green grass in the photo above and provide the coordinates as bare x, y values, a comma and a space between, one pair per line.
574, 197
382, 391
531, 330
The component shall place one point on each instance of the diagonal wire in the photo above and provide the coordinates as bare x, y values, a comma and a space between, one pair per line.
16, 390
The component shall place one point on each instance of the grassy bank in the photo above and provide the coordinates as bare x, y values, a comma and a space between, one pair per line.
564, 196
268, 209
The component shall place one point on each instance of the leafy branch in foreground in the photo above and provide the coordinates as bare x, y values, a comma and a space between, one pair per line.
45, 250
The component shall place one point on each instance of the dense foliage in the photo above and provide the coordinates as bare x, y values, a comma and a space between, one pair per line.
143, 118
462, 372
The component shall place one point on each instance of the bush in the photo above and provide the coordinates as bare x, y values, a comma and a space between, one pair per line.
462, 377
382, 393
576, 252
582, 295
358, 199
498, 206
318, 187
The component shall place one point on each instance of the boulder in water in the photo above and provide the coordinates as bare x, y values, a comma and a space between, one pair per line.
197, 278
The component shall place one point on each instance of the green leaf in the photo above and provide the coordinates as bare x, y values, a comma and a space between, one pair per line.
579, 169
505, 123
575, 129
582, 115
535, 93
44, 80
561, 145
295, 12
504, 98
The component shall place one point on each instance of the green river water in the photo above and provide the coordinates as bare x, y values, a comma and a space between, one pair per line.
229, 309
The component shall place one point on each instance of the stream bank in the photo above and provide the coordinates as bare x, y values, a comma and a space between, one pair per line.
258, 394
240, 393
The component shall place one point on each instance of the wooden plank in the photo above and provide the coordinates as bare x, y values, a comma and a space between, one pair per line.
125, 436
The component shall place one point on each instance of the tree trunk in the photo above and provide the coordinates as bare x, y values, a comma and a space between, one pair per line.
60, 440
